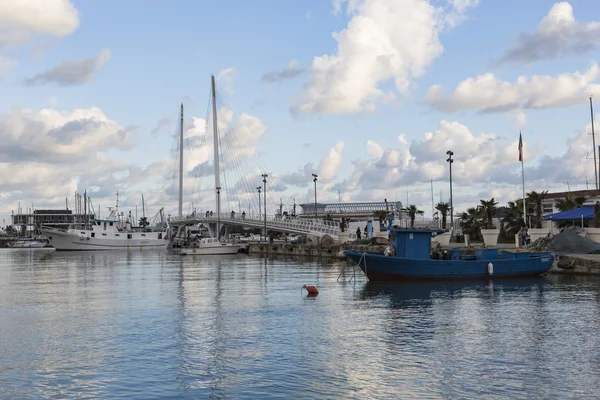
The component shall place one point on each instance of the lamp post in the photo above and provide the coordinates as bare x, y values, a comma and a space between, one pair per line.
259, 213
218, 216
315, 176
449, 160
264, 176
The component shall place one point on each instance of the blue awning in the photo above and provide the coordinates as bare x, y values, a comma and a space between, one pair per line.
569, 215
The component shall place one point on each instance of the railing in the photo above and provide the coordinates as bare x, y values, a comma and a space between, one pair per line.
307, 226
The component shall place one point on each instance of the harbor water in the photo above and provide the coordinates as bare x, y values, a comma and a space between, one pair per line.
155, 325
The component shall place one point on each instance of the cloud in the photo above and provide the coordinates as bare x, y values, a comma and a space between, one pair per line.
21, 19
57, 152
6, 64
484, 160
487, 93
291, 71
383, 41
557, 35
226, 77
327, 170
161, 126
72, 72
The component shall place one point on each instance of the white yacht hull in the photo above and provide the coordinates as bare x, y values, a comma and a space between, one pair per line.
73, 240
224, 248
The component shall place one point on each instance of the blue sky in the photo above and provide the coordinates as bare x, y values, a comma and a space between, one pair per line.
157, 55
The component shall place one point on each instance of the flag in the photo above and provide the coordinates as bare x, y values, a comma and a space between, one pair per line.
520, 147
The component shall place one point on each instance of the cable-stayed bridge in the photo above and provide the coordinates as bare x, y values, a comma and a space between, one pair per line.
317, 228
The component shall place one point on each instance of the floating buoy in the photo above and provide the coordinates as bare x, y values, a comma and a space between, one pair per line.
490, 269
311, 289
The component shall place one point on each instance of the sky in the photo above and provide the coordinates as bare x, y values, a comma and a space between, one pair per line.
367, 94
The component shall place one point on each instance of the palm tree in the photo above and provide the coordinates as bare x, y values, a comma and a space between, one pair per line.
569, 202
444, 209
471, 221
488, 208
413, 211
513, 219
535, 199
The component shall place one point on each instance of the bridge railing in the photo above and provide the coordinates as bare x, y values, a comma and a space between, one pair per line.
311, 226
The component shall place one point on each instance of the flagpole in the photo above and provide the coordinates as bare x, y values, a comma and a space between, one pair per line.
522, 176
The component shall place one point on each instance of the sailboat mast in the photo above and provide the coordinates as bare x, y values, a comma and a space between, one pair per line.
181, 164
594, 141
216, 147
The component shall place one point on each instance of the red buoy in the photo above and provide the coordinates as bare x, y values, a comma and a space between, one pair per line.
311, 289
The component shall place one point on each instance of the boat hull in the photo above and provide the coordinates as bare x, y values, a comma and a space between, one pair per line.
27, 245
378, 267
205, 251
67, 241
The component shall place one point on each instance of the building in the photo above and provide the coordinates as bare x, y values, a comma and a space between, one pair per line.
26, 224
356, 210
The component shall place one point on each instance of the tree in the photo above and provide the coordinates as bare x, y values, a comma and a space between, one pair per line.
569, 202
513, 218
472, 221
444, 209
488, 208
413, 211
144, 222
535, 199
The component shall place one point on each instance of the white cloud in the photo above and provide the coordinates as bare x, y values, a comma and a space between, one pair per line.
20, 19
330, 165
383, 41
557, 35
6, 63
226, 77
72, 72
487, 93
48, 154
292, 70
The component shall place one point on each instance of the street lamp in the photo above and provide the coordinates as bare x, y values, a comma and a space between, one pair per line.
259, 213
265, 200
315, 176
449, 160
218, 216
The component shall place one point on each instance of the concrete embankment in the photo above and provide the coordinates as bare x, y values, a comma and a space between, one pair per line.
577, 264
311, 250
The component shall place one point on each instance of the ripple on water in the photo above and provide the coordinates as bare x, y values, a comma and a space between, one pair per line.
153, 325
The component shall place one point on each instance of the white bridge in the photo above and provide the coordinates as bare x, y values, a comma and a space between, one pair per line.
297, 226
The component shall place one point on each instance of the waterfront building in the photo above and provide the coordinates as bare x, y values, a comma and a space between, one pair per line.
28, 223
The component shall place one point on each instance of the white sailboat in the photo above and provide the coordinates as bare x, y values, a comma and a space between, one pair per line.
111, 233
183, 244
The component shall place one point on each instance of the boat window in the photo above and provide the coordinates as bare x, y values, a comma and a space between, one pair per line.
83, 233
129, 236
93, 234
110, 223
105, 226
116, 234
160, 235
143, 234
104, 234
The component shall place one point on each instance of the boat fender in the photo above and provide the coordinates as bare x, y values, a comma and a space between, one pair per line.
490, 269
81, 238
87, 238
311, 289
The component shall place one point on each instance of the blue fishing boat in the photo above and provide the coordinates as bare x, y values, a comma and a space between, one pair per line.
409, 257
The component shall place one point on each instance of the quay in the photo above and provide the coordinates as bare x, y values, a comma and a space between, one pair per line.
576, 264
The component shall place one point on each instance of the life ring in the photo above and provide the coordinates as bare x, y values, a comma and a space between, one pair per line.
390, 251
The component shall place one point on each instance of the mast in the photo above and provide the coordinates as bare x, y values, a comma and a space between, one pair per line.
216, 148
85, 206
594, 142
181, 164
143, 207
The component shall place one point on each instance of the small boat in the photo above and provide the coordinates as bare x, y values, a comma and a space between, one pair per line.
409, 257
207, 246
27, 243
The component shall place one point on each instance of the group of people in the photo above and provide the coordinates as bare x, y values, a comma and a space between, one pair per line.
524, 238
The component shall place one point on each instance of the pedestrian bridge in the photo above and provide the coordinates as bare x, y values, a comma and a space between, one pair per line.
318, 228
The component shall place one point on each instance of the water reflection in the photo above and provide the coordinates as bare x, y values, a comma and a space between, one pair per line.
141, 325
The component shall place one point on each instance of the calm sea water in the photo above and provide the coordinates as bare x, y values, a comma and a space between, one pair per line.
155, 325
